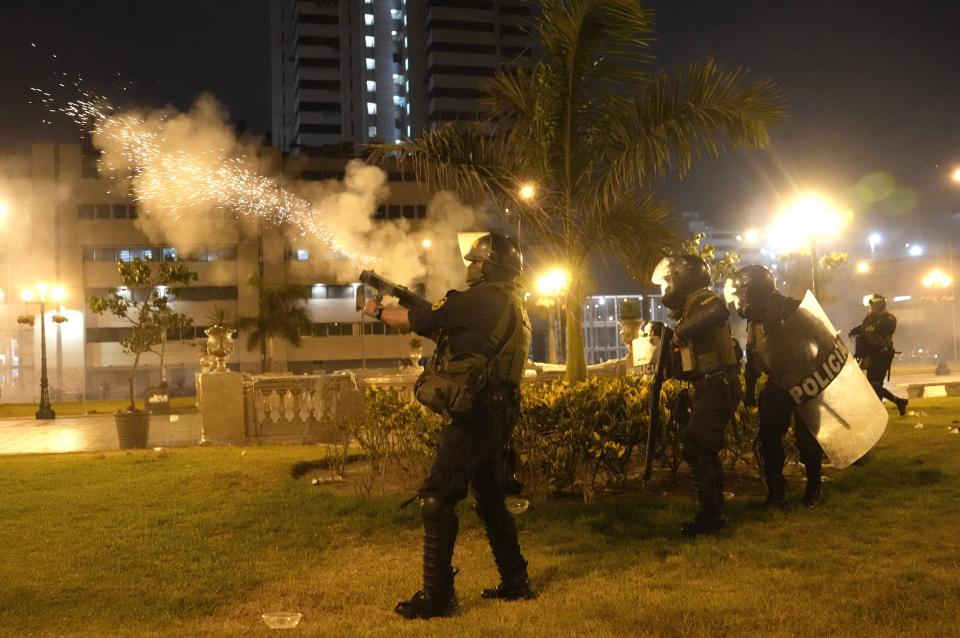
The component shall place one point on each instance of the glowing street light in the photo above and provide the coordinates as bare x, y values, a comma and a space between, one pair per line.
801, 223
955, 176
528, 190
863, 267
936, 278
41, 293
552, 285
751, 236
426, 243
873, 240
915, 250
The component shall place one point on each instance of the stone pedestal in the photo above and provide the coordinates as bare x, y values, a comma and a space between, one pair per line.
222, 407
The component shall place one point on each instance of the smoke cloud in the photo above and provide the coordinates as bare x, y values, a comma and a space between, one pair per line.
199, 185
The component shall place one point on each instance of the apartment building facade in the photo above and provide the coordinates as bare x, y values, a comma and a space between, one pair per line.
63, 224
350, 72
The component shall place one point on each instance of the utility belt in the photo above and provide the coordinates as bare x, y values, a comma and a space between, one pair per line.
704, 382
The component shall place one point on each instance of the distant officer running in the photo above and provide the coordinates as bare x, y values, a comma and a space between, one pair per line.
486, 319
709, 362
765, 309
874, 348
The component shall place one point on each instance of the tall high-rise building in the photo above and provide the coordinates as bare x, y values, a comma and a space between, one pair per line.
356, 71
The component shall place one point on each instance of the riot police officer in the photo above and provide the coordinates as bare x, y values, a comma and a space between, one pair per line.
874, 348
765, 308
489, 317
709, 362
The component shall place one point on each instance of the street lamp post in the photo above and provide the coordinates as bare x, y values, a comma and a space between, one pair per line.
38, 294
552, 286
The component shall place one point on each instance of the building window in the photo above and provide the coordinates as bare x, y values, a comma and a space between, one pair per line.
371, 108
371, 131
371, 64
87, 211
170, 254
103, 211
396, 14
421, 211
398, 79
369, 41
296, 254
371, 86
368, 19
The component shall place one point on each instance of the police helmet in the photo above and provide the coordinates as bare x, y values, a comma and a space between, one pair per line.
500, 255
752, 284
877, 302
678, 276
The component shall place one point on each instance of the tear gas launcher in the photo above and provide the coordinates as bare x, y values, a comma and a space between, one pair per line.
384, 287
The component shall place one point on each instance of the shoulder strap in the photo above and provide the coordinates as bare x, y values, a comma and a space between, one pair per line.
501, 333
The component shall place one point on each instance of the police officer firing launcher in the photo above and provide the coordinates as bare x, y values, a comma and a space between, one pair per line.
483, 336
709, 362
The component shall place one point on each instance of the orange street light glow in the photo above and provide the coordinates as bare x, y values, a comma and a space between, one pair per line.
936, 279
863, 267
528, 191
553, 283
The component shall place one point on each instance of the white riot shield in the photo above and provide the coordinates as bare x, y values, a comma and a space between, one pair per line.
645, 349
807, 357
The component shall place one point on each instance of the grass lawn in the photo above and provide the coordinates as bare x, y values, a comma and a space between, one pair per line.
199, 542
177, 404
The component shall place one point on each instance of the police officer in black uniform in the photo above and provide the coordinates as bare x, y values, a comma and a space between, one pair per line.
488, 316
709, 362
874, 348
765, 308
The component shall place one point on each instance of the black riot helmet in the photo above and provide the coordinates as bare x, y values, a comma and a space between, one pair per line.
501, 257
751, 286
877, 302
678, 276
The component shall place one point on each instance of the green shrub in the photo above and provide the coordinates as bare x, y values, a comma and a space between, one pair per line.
395, 432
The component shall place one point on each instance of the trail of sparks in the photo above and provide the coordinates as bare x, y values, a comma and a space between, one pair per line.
184, 181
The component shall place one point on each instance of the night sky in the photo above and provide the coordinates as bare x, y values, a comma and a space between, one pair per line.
872, 87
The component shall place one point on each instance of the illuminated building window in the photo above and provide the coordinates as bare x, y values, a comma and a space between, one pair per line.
370, 41
371, 64
371, 86
371, 108
368, 19
371, 131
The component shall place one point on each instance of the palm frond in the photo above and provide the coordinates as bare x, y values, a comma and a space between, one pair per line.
677, 120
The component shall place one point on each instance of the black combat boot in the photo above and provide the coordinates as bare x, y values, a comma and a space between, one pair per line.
813, 493
437, 598
501, 531
902, 406
703, 523
776, 492
708, 485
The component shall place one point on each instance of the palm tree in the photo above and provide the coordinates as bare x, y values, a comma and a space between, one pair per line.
281, 314
596, 129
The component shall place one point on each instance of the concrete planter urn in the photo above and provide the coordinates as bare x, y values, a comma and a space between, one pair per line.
219, 346
133, 429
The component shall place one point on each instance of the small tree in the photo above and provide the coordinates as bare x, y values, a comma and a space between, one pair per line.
630, 310
722, 267
143, 301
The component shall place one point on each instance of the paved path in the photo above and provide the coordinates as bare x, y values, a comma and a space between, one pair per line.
91, 433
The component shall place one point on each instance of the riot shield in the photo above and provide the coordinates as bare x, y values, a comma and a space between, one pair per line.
807, 357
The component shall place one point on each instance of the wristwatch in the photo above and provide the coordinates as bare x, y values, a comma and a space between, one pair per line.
378, 313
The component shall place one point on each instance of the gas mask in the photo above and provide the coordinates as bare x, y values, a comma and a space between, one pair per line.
474, 273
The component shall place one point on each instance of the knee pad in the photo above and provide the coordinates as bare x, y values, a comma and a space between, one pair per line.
434, 508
